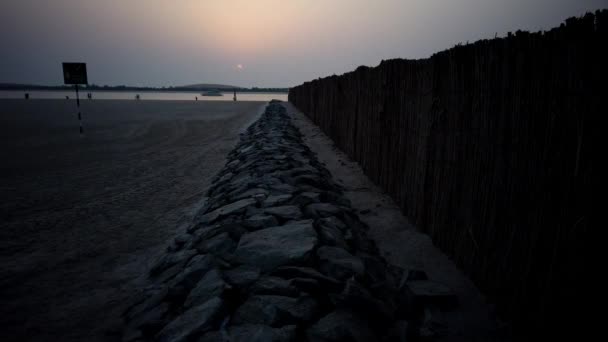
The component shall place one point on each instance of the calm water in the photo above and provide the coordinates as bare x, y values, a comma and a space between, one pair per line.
144, 95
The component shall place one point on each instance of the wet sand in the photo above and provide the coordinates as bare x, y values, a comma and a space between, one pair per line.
81, 218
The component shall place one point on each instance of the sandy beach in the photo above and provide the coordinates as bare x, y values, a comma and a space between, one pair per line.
81, 218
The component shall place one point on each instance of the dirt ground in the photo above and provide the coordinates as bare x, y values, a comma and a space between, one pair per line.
403, 244
81, 218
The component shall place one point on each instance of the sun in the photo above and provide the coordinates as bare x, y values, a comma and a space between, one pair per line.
240, 66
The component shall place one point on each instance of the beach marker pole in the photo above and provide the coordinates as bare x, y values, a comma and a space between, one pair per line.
75, 73
78, 105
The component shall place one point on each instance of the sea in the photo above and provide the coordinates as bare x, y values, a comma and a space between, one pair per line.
143, 95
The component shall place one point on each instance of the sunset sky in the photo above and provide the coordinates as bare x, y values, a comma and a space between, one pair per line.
264, 43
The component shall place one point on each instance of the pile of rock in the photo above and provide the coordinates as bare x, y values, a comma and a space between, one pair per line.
276, 254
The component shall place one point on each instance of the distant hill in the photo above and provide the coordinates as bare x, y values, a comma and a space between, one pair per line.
204, 86
193, 87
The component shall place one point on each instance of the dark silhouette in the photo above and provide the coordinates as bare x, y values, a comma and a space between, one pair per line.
27, 96
488, 148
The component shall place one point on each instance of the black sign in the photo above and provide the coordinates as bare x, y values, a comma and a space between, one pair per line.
75, 73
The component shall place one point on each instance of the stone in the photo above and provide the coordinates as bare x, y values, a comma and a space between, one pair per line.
412, 274
150, 321
357, 298
242, 276
276, 246
306, 198
232, 164
312, 180
261, 333
283, 188
230, 209
182, 239
399, 332
286, 212
194, 321
308, 285
331, 236
203, 231
171, 259
338, 263
332, 222
269, 285
341, 326
152, 298
252, 193
431, 292
220, 244
194, 271
320, 210
260, 221
290, 272
276, 310
275, 200
211, 285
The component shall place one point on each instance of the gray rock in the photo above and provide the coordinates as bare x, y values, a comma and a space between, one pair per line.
276, 310
306, 198
270, 285
331, 236
341, 326
311, 179
431, 292
196, 320
308, 285
283, 188
182, 239
252, 193
242, 276
220, 244
286, 212
290, 272
260, 221
320, 210
261, 333
211, 285
333, 222
203, 231
276, 200
152, 299
357, 298
198, 266
171, 259
149, 321
272, 247
399, 332
338, 263
230, 209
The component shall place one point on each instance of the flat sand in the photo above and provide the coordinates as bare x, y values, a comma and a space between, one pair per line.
82, 217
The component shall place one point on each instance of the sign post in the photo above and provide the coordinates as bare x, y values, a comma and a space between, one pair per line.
75, 73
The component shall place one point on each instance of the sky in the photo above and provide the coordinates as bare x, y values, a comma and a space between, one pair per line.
250, 43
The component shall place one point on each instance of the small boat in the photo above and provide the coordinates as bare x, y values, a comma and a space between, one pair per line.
212, 93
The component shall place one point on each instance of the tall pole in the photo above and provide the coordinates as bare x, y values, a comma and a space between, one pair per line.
78, 105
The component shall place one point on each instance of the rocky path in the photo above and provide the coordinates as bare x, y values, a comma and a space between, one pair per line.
278, 254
